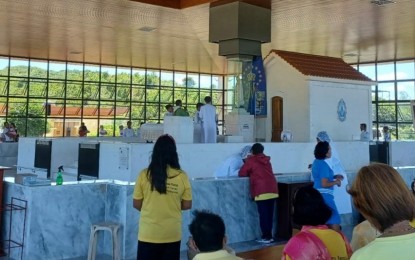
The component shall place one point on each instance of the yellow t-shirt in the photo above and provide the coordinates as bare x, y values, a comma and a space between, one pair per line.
331, 239
266, 196
386, 248
161, 215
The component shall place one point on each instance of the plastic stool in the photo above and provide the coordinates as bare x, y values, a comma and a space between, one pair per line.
111, 227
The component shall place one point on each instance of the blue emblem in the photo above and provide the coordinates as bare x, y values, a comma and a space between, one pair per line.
341, 110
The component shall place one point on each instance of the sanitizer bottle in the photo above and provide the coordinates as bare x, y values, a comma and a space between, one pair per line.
59, 178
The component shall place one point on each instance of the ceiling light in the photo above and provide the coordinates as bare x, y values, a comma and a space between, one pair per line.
147, 29
382, 2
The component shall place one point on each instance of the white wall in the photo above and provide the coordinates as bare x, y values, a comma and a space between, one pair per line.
201, 160
285, 81
324, 98
310, 103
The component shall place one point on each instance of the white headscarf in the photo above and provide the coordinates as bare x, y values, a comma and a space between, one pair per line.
323, 136
245, 151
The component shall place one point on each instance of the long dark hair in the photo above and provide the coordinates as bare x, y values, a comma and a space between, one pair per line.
164, 154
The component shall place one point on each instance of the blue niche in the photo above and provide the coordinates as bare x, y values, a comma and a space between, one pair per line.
341, 110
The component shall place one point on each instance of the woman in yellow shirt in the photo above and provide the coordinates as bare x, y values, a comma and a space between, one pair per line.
161, 192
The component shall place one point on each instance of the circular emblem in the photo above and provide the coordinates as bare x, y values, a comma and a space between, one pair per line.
341, 110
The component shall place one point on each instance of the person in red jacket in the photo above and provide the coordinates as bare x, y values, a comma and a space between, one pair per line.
263, 188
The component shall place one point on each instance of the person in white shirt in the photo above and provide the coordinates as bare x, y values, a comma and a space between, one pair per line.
128, 132
364, 134
169, 109
5, 136
230, 167
197, 125
102, 131
208, 116
386, 134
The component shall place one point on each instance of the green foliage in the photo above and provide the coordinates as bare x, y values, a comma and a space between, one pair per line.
143, 92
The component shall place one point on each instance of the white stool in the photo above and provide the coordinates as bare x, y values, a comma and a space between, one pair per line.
111, 227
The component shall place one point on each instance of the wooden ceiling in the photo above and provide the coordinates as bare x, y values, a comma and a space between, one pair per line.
108, 31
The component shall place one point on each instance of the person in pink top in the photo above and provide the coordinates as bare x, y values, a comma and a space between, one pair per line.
315, 240
263, 188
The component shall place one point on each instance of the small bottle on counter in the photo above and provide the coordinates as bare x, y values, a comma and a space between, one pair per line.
59, 177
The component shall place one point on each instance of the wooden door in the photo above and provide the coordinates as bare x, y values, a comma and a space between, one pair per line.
277, 118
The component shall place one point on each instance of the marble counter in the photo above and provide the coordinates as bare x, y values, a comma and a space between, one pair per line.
8, 154
59, 218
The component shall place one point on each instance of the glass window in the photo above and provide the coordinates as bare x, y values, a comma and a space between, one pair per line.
17, 87
19, 67
153, 112
123, 75
205, 93
405, 70
180, 79
123, 93
205, 81
107, 92
17, 107
92, 73
138, 94
57, 70
139, 76
4, 66
108, 74
217, 98
374, 91
404, 112
386, 91
386, 71
229, 98
406, 132
122, 110
96, 93
152, 94
369, 70
38, 108
192, 80
217, 82
108, 126
193, 97
166, 78
38, 69
57, 89
374, 116
3, 108
166, 95
73, 109
4, 84
406, 90
91, 91
73, 90
89, 109
75, 72
180, 93
137, 110
386, 112
153, 78
106, 109
20, 123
